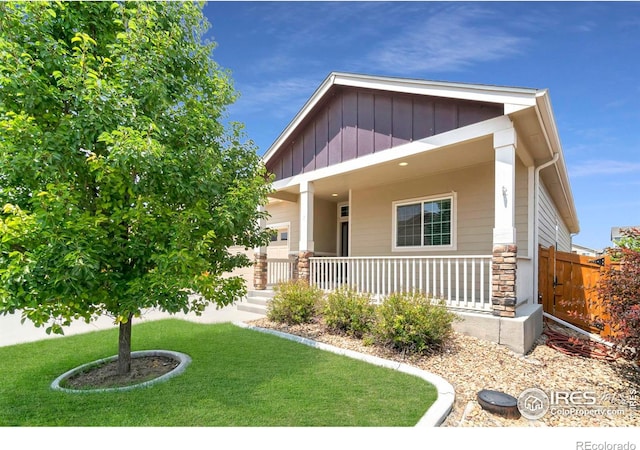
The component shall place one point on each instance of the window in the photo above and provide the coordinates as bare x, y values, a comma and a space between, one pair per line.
279, 234
424, 223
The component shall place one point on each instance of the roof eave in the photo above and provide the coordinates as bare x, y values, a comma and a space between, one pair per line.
548, 123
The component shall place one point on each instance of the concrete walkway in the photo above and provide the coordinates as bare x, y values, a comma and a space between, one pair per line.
13, 332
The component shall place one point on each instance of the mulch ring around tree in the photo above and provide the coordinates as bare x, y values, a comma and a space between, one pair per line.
105, 375
147, 367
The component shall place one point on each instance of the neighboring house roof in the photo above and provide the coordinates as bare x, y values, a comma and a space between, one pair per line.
464, 104
582, 250
618, 232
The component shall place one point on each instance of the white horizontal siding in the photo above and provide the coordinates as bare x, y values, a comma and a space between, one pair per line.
372, 211
286, 212
522, 208
548, 218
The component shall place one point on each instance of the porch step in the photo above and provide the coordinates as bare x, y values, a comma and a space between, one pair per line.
256, 301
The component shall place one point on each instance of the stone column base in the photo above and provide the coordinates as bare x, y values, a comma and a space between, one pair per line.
504, 267
304, 266
260, 272
504, 307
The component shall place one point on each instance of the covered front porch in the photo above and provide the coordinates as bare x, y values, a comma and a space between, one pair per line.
411, 219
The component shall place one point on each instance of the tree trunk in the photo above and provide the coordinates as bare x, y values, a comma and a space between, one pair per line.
124, 347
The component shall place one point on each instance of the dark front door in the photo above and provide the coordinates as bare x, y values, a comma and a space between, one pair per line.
344, 239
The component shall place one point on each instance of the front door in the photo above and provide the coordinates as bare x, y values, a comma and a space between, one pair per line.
344, 239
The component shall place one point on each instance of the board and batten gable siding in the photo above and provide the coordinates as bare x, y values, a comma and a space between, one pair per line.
371, 213
354, 122
548, 217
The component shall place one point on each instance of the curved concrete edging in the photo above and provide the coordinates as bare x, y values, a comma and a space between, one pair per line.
434, 416
184, 361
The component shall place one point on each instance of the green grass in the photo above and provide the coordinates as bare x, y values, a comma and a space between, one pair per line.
237, 377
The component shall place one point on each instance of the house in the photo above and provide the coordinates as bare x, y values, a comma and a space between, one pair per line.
618, 233
585, 251
388, 184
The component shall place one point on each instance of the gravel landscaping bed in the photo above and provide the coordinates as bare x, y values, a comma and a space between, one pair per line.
611, 387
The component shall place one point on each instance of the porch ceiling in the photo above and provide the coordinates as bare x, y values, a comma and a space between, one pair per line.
443, 159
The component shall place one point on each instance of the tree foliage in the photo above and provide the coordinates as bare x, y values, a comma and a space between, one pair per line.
121, 187
619, 292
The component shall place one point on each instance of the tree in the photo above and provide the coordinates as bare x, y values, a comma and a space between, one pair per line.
121, 187
619, 292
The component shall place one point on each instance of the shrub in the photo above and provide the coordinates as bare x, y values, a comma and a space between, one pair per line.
348, 311
619, 292
294, 302
412, 322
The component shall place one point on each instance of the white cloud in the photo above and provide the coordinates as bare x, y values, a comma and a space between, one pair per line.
603, 167
278, 98
451, 39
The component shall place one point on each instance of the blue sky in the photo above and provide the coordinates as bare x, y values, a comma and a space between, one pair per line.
585, 53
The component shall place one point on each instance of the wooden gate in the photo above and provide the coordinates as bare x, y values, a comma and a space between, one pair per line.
567, 287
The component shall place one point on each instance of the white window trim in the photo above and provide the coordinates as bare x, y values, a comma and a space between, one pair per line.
426, 248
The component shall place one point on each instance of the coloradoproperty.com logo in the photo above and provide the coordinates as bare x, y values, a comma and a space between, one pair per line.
534, 403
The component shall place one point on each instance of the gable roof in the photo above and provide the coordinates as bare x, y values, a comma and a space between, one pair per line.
513, 98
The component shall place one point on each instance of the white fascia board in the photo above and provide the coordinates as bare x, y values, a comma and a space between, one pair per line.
545, 115
510, 108
463, 134
463, 91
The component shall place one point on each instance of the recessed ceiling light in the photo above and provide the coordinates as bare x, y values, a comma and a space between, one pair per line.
402, 164
334, 195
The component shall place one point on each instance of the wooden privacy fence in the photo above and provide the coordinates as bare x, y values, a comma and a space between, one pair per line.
567, 285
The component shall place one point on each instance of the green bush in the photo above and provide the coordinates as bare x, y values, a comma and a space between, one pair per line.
349, 312
294, 302
413, 323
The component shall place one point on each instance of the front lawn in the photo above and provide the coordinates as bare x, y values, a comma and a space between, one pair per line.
238, 377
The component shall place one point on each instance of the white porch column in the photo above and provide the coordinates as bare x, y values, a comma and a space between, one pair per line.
260, 259
504, 143
306, 244
505, 251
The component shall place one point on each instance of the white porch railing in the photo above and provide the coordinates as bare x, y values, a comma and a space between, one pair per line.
462, 281
279, 270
